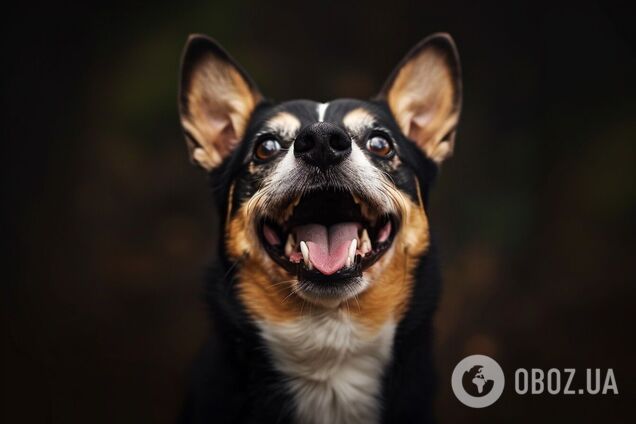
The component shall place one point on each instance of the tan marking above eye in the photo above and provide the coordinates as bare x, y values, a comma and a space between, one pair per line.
358, 120
285, 124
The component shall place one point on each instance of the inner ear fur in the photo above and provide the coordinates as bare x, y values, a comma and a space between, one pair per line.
424, 94
216, 100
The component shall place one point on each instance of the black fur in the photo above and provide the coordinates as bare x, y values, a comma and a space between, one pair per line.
233, 379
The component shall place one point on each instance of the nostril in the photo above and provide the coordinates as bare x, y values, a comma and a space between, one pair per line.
340, 142
304, 144
322, 144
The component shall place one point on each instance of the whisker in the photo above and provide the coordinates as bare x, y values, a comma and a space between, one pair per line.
347, 300
282, 282
355, 297
293, 291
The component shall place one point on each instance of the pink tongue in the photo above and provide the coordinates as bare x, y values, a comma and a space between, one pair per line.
328, 247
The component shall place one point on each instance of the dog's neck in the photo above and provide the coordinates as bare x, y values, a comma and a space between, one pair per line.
333, 365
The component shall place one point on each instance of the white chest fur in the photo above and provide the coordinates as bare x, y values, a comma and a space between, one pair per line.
334, 366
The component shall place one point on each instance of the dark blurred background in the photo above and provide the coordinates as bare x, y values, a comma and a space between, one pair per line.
109, 228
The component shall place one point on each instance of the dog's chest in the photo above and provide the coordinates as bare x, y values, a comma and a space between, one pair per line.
333, 366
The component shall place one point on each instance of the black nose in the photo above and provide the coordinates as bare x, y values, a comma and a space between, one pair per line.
322, 144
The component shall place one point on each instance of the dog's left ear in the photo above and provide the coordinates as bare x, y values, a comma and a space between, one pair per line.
216, 100
424, 94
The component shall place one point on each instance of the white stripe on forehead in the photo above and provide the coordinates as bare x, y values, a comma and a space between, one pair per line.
322, 109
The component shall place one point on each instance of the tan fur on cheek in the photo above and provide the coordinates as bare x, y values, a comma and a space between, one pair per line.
391, 278
264, 288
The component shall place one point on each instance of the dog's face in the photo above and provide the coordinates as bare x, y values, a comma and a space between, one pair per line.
324, 203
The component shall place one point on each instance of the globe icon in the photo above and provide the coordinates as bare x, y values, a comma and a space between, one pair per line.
475, 383
478, 381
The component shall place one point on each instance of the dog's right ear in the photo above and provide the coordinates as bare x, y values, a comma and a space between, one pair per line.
216, 99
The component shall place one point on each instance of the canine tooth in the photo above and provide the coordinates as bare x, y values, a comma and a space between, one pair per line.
296, 202
365, 242
356, 199
352, 252
305, 251
290, 245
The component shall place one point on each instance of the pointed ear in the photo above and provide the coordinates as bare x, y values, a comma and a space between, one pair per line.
424, 94
216, 99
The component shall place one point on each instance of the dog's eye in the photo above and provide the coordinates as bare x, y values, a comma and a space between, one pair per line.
379, 145
266, 149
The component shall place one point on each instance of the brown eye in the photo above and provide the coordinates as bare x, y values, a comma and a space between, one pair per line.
379, 145
266, 149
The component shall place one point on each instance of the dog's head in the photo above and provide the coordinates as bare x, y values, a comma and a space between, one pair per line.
323, 203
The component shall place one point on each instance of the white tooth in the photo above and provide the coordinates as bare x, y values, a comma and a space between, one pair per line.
355, 199
297, 201
305, 251
352, 252
365, 242
290, 245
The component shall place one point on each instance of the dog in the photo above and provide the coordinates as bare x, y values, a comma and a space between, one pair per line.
323, 293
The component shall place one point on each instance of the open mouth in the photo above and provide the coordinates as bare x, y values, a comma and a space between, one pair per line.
328, 235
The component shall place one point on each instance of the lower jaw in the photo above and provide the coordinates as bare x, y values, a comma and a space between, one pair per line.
333, 293
332, 297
